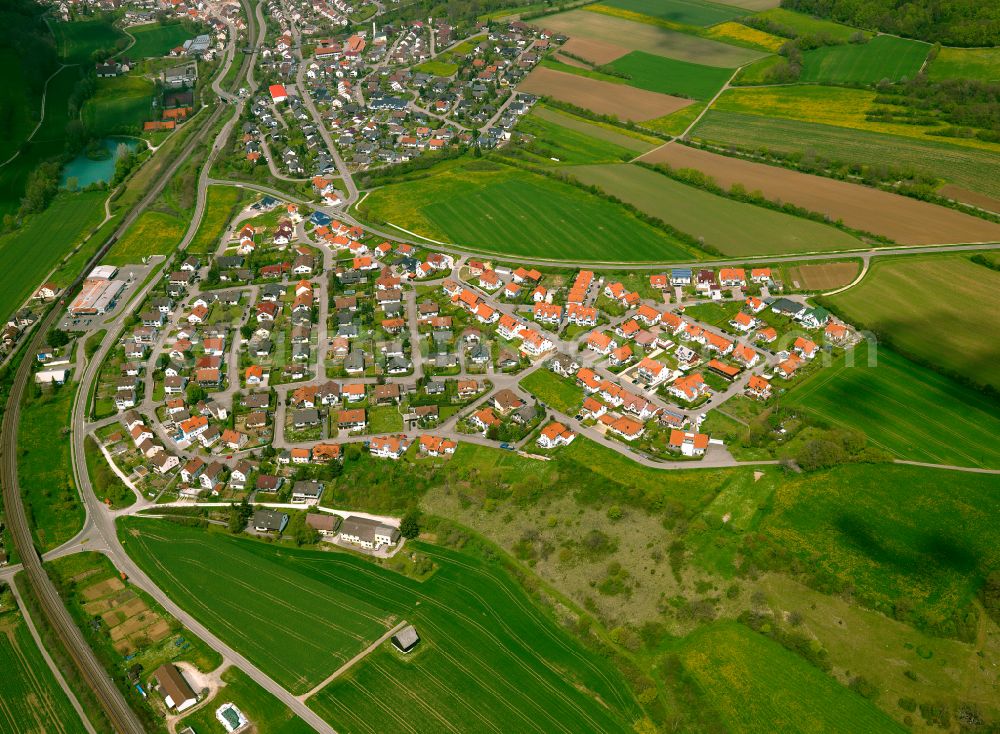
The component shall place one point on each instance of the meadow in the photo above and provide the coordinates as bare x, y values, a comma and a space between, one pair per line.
18, 106
740, 34
120, 105
30, 698
900, 218
800, 24
437, 68
620, 137
76, 41
51, 501
479, 632
156, 39
756, 685
670, 76
654, 39
153, 233
907, 410
970, 168
841, 106
560, 393
982, 64
911, 542
501, 209
552, 140
28, 254
688, 12
883, 57
732, 227
222, 204
938, 309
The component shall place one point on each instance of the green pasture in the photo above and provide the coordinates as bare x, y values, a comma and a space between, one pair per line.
561, 393
620, 137
550, 140
77, 40
883, 57
686, 12
801, 24
937, 308
982, 64
907, 410
732, 227
120, 105
154, 40
153, 233
671, 76
510, 211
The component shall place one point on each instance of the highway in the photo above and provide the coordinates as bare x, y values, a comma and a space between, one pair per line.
122, 718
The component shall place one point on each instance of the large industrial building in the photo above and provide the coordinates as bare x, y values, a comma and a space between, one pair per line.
99, 293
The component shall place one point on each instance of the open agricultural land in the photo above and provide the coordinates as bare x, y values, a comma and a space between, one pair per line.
732, 227
76, 41
881, 58
153, 233
670, 76
653, 39
967, 168
120, 105
156, 39
482, 634
501, 209
605, 98
982, 64
938, 309
908, 410
619, 137
31, 701
552, 142
20, 107
688, 12
896, 217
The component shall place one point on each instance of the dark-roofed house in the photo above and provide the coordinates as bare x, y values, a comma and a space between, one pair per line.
176, 692
267, 521
406, 639
368, 533
307, 491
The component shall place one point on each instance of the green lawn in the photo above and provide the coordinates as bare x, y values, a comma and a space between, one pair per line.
552, 140
107, 484
883, 57
120, 105
153, 233
222, 204
967, 167
77, 40
756, 685
687, 12
156, 39
500, 209
32, 699
938, 309
905, 409
28, 254
51, 501
670, 76
268, 714
559, 392
982, 64
732, 227
480, 634
385, 419
436, 68
911, 542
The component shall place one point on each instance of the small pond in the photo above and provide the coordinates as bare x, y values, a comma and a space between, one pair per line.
87, 170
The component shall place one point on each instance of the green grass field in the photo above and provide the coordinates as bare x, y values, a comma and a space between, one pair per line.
552, 140
479, 632
982, 64
155, 40
687, 12
913, 543
77, 40
222, 204
562, 394
756, 685
32, 700
938, 309
670, 76
505, 210
629, 139
908, 410
802, 24
18, 106
43, 469
436, 68
732, 227
28, 254
120, 105
970, 168
883, 57
153, 233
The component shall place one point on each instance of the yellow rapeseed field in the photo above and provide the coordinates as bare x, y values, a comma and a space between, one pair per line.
733, 31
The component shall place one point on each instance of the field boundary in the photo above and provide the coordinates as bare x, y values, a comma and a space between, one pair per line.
353, 661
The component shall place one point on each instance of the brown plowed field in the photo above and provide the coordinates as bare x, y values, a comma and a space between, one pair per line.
604, 98
971, 197
907, 221
598, 52
825, 277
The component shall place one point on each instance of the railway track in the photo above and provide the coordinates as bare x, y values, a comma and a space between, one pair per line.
122, 718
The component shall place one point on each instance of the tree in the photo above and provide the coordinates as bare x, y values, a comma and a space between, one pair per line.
246, 331
56, 337
300, 532
410, 526
195, 394
239, 516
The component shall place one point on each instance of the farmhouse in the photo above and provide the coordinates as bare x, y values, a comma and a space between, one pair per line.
176, 692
